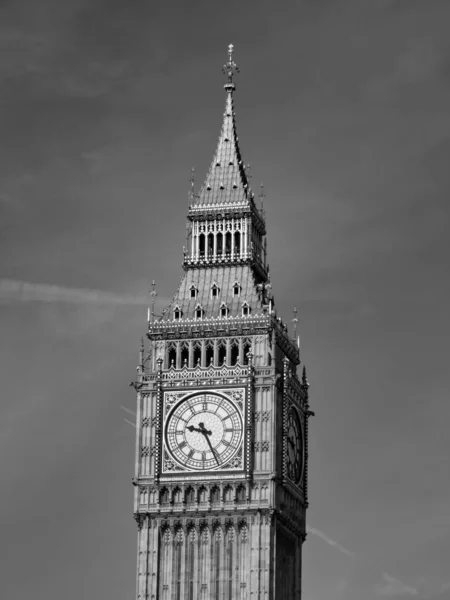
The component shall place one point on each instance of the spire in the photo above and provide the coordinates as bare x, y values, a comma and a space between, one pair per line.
226, 182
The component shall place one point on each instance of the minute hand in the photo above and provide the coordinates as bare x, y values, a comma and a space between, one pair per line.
206, 434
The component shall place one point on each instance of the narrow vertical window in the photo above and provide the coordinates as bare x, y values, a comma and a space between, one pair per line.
216, 567
172, 357
219, 243
197, 355
237, 243
228, 243
234, 353
230, 566
247, 348
191, 569
177, 565
201, 245
185, 356
210, 245
222, 354
209, 354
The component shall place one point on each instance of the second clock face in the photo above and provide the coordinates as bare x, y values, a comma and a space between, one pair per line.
204, 432
294, 447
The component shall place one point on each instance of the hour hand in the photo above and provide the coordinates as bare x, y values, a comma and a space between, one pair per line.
203, 430
192, 428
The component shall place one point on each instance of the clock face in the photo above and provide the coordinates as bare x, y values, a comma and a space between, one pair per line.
294, 457
204, 432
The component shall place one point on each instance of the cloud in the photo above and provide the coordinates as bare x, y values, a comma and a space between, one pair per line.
12, 290
328, 540
391, 586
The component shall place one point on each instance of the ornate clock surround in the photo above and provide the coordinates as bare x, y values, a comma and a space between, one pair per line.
238, 465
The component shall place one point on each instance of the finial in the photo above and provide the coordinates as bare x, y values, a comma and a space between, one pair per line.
295, 321
229, 69
262, 195
192, 182
305, 382
153, 294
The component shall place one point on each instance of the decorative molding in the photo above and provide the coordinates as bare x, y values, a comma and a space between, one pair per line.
266, 415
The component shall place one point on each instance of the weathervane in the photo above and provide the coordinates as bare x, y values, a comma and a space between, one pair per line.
229, 69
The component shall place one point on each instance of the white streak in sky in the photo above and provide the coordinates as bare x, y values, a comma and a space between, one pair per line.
391, 586
328, 540
13, 290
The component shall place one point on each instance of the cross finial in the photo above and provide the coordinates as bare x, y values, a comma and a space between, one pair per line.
295, 321
192, 182
229, 69
153, 294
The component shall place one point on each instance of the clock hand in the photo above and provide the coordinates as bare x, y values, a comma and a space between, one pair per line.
207, 433
192, 428
291, 442
203, 429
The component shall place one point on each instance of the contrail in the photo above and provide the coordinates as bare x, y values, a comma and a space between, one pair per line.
329, 541
390, 586
24, 291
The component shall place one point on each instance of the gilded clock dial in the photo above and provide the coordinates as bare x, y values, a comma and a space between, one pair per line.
204, 432
294, 458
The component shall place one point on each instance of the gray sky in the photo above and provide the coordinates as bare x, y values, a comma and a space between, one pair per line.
342, 111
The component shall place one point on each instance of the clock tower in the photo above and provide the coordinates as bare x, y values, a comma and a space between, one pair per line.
222, 416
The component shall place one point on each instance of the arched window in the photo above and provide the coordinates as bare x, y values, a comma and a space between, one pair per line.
228, 494
193, 291
177, 313
190, 495
222, 353
209, 353
236, 289
198, 312
214, 290
172, 356
247, 349
219, 242
197, 354
185, 355
228, 242
215, 494
177, 562
237, 243
191, 565
164, 496
210, 245
203, 494
245, 309
177, 495
240, 494
234, 358
216, 568
201, 245
229, 563
223, 310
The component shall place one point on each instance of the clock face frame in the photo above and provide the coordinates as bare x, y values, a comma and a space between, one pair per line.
294, 451
204, 432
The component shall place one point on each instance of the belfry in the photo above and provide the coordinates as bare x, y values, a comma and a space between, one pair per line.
222, 415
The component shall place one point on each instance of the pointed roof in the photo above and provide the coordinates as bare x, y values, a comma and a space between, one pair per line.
226, 182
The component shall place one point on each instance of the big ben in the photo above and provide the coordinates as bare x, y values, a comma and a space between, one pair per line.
222, 415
